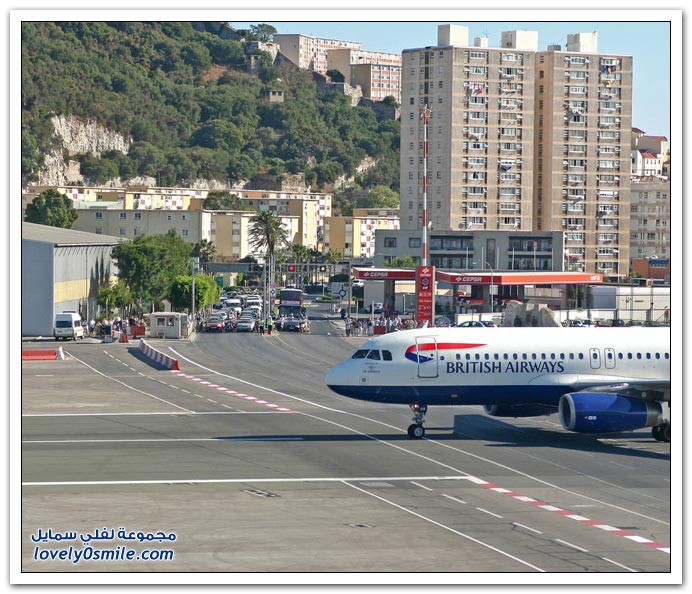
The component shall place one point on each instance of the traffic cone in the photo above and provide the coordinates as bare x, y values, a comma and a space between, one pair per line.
123, 337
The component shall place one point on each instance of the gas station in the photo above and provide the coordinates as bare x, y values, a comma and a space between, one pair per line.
485, 285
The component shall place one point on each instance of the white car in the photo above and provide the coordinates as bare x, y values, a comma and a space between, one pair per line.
245, 324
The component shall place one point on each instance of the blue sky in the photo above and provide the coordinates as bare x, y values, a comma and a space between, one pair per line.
648, 42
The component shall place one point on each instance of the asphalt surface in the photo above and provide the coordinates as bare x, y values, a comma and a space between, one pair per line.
255, 466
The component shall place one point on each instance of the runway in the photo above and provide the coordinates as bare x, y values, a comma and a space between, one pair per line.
256, 466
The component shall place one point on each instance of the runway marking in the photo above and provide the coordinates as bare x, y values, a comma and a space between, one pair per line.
445, 527
129, 387
166, 439
527, 527
619, 565
453, 498
220, 388
572, 516
569, 544
489, 512
422, 486
245, 480
129, 414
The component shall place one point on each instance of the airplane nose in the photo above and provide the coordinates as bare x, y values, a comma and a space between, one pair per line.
336, 376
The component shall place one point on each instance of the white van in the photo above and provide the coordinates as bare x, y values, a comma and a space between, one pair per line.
233, 304
68, 324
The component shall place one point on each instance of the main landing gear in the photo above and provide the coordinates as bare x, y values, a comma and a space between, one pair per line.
416, 430
661, 432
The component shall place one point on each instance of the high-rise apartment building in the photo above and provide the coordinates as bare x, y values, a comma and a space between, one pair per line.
479, 135
519, 139
582, 152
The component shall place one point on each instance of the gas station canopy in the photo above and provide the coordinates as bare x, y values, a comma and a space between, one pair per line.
483, 277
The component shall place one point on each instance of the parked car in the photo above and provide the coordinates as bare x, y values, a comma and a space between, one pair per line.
471, 324
245, 324
214, 324
488, 323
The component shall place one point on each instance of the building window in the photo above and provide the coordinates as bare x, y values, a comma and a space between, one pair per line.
99, 216
414, 242
390, 242
123, 216
138, 216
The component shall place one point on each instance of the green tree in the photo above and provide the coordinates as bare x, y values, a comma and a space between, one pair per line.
207, 292
114, 295
380, 197
263, 32
150, 263
403, 262
224, 200
52, 208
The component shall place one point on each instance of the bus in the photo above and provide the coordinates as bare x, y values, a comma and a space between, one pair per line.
291, 302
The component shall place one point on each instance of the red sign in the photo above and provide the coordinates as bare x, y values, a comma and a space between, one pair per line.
383, 274
425, 294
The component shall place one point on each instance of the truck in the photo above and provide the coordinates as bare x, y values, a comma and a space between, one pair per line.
292, 315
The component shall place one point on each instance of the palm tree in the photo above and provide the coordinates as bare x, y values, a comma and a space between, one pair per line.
205, 250
267, 233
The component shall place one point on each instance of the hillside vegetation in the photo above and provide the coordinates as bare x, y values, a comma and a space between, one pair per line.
192, 111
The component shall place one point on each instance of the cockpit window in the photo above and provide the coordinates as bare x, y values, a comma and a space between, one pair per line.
360, 354
387, 355
374, 354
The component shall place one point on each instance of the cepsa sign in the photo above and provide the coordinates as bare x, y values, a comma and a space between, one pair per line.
425, 294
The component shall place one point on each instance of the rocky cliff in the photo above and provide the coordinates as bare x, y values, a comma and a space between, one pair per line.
78, 137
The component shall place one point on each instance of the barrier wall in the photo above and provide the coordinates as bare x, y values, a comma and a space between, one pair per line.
157, 356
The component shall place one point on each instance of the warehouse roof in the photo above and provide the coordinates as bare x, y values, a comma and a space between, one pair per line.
58, 236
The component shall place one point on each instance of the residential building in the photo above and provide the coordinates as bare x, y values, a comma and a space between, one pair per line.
519, 140
582, 152
310, 53
479, 133
354, 236
650, 224
377, 73
230, 233
311, 208
192, 225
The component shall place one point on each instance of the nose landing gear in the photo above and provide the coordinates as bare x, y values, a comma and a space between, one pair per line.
416, 430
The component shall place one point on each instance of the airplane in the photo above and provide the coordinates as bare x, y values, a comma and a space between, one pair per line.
598, 380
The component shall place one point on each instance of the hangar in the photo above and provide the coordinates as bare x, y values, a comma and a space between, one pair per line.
62, 270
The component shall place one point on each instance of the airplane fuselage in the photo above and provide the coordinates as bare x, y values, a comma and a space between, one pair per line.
485, 366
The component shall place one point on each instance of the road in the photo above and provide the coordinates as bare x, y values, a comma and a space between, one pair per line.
255, 466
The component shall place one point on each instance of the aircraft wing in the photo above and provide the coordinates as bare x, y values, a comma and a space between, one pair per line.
654, 389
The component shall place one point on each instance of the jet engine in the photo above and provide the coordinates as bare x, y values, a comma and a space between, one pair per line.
594, 412
518, 410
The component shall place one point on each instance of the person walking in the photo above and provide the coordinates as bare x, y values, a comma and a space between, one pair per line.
261, 326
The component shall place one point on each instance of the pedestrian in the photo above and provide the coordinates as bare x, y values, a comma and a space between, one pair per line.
261, 326
270, 325
666, 314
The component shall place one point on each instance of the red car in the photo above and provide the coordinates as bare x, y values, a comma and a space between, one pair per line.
214, 324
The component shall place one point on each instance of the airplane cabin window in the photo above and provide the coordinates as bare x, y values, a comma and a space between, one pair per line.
658, 355
629, 355
360, 354
639, 355
374, 354
581, 355
667, 355
620, 356
387, 355
571, 355
648, 355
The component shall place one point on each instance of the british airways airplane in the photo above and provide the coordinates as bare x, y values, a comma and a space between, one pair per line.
599, 380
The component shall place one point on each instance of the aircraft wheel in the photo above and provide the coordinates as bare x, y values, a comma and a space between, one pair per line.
416, 431
656, 432
665, 432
